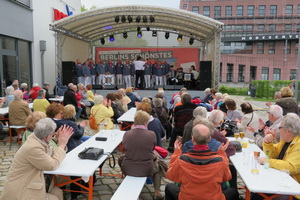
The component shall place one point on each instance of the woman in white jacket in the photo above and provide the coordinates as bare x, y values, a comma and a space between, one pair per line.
249, 119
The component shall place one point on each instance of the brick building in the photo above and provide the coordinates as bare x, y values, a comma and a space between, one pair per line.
260, 38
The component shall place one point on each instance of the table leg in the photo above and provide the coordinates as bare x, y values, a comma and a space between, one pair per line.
90, 190
247, 194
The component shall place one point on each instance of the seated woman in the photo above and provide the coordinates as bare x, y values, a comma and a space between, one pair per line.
139, 159
103, 112
133, 98
31, 121
41, 103
9, 91
77, 138
24, 89
162, 115
25, 179
89, 94
55, 111
233, 113
154, 123
249, 119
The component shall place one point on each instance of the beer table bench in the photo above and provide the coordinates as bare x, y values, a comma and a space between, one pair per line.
127, 118
72, 165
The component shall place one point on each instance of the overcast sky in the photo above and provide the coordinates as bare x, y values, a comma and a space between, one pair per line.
105, 3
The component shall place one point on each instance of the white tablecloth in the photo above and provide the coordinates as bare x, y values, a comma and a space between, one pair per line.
60, 99
128, 116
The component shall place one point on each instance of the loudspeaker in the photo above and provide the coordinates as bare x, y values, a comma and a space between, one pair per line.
68, 70
158, 86
205, 74
109, 87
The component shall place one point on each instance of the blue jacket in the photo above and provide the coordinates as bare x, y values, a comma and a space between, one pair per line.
154, 66
110, 68
79, 70
166, 68
86, 70
119, 68
128, 69
213, 145
148, 69
158, 70
100, 68
158, 129
133, 99
93, 69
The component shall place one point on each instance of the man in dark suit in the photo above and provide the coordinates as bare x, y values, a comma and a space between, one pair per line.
70, 98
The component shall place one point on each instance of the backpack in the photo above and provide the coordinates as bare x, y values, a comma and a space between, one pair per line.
92, 121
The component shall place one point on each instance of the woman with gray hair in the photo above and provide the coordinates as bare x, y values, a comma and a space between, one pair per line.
285, 154
25, 178
24, 89
162, 115
41, 103
9, 91
139, 159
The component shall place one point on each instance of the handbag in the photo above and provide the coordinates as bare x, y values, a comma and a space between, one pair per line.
92, 121
91, 153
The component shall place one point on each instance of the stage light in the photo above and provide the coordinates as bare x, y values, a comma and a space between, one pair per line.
148, 28
145, 19
138, 19
191, 41
125, 36
152, 19
154, 33
139, 34
129, 18
123, 19
138, 29
167, 35
111, 38
117, 19
179, 38
102, 41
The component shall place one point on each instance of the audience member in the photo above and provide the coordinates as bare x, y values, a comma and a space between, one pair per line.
32, 159
18, 110
207, 97
70, 98
24, 89
287, 101
117, 113
249, 119
9, 91
162, 115
46, 87
196, 164
139, 159
41, 103
125, 99
233, 113
33, 93
133, 98
103, 112
89, 94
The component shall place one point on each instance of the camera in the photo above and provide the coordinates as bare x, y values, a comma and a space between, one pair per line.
229, 126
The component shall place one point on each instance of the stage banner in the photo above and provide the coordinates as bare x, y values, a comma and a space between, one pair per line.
178, 57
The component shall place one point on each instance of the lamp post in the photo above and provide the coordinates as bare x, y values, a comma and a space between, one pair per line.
42, 49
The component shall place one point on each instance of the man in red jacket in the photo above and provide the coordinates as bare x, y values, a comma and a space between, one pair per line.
200, 171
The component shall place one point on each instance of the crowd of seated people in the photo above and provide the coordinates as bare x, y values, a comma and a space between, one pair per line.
190, 132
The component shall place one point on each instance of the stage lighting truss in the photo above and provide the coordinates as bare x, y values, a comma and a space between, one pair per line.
102, 41
179, 38
167, 35
111, 38
154, 33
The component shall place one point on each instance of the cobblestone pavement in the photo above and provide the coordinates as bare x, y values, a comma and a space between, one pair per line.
107, 185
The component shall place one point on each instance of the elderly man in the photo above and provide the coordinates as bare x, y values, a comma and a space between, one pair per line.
182, 115
46, 87
25, 179
18, 110
209, 168
70, 98
285, 154
275, 116
187, 132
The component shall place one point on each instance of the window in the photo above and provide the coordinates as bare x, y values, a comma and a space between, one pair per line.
217, 11
229, 75
253, 72
265, 73
276, 74
288, 27
228, 11
250, 11
289, 10
261, 27
273, 10
298, 27
287, 47
220, 74
237, 48
262, 10
298, 10
260, 47
249, 27
293, 74
24, 61
195, 9
8, 43
206, 11
239, 11
272, 27
271, 45
184, 6
241, 77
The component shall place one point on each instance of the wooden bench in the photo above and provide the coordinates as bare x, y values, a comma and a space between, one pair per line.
130, 188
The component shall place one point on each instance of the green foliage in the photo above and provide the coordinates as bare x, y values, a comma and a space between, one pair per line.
233, 90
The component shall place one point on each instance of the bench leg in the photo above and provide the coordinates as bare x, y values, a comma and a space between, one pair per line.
90, 190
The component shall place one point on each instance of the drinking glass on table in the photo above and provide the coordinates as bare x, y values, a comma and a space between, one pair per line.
236, 136
105, 124
242, 135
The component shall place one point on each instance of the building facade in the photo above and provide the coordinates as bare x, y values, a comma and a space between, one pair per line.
24, 24
259, 40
